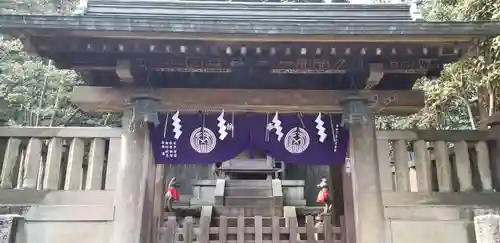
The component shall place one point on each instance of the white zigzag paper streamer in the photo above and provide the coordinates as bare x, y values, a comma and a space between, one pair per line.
222, 126
277, 126
321, 129
177, 126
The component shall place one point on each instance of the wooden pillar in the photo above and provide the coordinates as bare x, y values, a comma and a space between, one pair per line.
336, 191
494, 123
130, 190
367, 204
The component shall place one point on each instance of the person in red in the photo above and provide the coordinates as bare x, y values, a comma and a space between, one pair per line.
172, 193
323, 196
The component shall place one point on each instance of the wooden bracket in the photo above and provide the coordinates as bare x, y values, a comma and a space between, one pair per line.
123, 71
376, 74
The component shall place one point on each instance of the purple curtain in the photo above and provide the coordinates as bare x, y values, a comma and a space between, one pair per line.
299, 143
199, 142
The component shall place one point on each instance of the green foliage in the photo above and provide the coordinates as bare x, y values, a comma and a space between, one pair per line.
467, 91
37, 92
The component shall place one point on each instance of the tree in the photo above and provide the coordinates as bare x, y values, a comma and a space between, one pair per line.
467, 91
36, 91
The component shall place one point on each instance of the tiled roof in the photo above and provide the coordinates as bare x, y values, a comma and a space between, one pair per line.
158, 17
251, 11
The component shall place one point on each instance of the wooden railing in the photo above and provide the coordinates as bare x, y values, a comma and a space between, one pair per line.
70, 158
255, 230
439, 161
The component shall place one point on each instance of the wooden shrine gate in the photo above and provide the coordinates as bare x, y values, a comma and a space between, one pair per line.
256, 229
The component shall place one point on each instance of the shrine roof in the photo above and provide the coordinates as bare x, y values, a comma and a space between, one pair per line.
147, 19
335, 45
261, 11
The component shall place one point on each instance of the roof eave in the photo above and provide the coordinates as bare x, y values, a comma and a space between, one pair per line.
183, 28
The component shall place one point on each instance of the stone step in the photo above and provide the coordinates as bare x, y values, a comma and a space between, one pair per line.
248, 183
248, 191
243, 201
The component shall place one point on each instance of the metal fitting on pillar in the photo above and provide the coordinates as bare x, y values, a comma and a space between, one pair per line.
144, 110
355, 110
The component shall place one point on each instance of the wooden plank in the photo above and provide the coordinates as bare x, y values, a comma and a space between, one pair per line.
293, 64
258, 229
3, 147
462, 163
327, 228
114, 157
428, 212
30, 197
401, 164
21, 168
441, 198
115, 99
206, 216
65, 213
483, 163
168, 236
423, 166
310, 231
95, 165
74, 170
223, 229
10, 159
434, 135
252, 241
265, 230
53, 165
443, 167
61, 132
275, 230
293, 231
188, 229
384, 165
33, 160
343, 232
240, 233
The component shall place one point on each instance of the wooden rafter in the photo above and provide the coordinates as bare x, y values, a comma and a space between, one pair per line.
123, 71
107, 99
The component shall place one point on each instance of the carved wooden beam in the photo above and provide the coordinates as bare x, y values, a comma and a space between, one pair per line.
376, 74
108, 46
109, 99
123, 71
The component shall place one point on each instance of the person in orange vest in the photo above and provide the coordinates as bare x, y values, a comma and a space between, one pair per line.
323, 196
172, 194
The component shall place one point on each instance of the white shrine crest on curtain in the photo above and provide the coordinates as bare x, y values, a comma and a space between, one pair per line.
203, 140
297, 140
